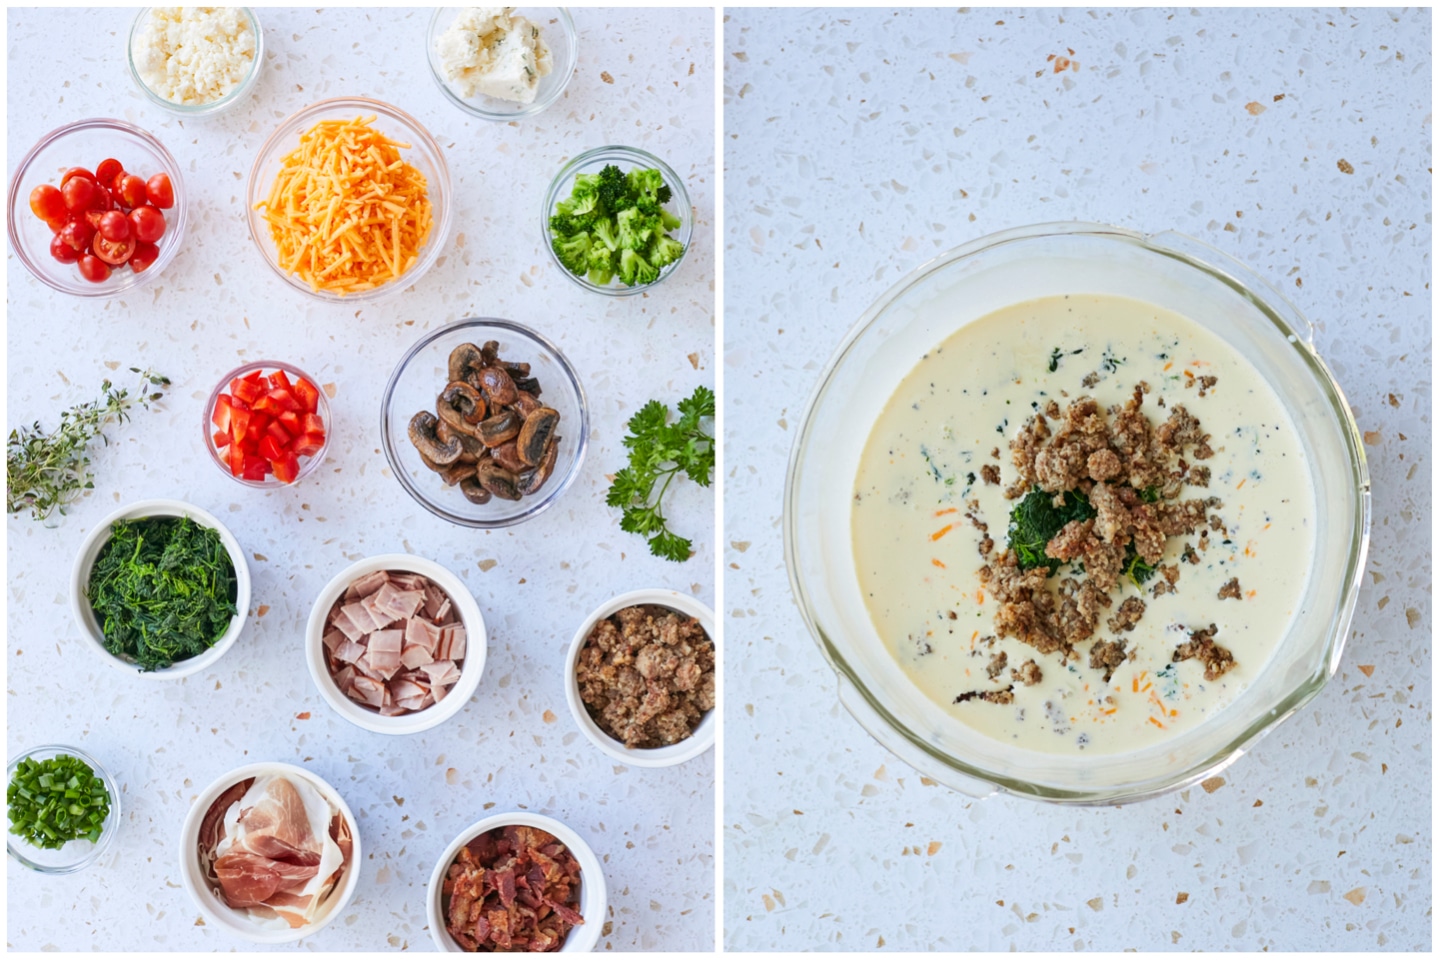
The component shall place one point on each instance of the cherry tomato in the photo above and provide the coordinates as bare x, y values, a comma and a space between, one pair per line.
62, 251
105, 173
79, 194
131, 190
113, 251
144, 255
160, 192
94, 269
77, 233
103, 200
115, 226
149, 223
75, 172
47, 203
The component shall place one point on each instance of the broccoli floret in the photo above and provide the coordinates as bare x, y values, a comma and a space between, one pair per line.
635, 270
668, 221
663, 194
573, 252
635, 228
585, 194
605, 233
567, 225
646, 182
1036, 519
647, 205
613, 191
664, 250
600, 262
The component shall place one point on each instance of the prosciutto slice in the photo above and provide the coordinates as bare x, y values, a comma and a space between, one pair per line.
275, 847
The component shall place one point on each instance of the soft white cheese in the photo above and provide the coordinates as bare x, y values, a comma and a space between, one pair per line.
488, 50
194, 55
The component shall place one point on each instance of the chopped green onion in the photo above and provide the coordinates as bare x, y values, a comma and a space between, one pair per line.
57, 800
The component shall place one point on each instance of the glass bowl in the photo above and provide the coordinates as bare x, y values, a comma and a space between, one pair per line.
308, 465
1170, 271
76, 855
424, 154
627, 159
557, 29
84, 144
197, 111
422, 374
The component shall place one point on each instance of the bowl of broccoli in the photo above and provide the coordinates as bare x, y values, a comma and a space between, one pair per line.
617, 220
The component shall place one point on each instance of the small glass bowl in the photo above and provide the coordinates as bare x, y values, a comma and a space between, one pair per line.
308, 465
84, 144
76, 855
627, 159
557, 29
196, 111
424, 154
423, 373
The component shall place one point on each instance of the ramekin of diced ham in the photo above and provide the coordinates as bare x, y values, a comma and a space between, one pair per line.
396, 645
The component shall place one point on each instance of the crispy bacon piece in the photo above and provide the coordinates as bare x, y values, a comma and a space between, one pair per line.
515, 888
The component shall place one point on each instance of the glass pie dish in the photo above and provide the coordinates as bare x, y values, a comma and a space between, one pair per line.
1167, 270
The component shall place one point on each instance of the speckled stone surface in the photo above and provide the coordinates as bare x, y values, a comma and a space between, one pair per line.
859, 144
644, 78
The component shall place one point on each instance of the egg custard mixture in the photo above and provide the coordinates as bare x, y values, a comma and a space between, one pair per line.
1082, 523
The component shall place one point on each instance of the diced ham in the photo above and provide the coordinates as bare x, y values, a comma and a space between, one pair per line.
401, 690
409, 582
411, 703
367, 690
434, 597
343, 677
383, 663
393, 710
399, 604
413, 655
368, 584
422, 632
360, 616
346, 626
350, 652
332, 639
452, 644
442, 615
442, 672
378, 616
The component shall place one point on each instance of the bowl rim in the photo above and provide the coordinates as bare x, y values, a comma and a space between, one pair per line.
85, 560
200, 110
311, 464
637, 155
108, 831
872, 714
594, 895
229, 918
442, 213
582, 436
701, 739
567, 27
476, 645
175, 217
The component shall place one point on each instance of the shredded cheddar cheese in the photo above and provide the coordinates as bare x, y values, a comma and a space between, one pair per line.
346, 212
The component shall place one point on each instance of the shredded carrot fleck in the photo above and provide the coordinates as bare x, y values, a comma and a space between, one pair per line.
948, 510
1250, 593
1242, 483
980, 597
937, 562
1169, 365
1155, 721
941, 532
1265, 528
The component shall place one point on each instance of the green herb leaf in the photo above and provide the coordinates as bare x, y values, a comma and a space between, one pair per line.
1036, 519
659, 450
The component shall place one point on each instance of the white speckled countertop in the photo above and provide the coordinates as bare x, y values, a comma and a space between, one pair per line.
860, 143
644, 78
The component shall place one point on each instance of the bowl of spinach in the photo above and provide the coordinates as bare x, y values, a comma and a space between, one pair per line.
160, 588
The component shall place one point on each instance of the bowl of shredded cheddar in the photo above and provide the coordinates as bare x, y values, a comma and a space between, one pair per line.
348, 200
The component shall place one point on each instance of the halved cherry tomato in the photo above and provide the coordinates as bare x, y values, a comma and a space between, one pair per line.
47, 203
144, 255
73, 172
131, 190
94, 269
79, 194
149, 224
115, 226
113, 251
78, 233
160, 192
62, 251
106, 170
307, 395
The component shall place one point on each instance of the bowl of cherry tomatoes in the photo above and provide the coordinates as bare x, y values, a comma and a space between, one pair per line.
267, 424
96, 208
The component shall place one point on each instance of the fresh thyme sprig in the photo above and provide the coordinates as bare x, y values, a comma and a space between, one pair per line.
46, 472
659, 451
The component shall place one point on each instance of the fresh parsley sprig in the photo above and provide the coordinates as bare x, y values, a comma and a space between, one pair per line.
659, 450
46, 472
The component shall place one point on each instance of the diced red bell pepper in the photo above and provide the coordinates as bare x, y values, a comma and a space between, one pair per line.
307, 395
265, 405
279, 381
283, 399
221, 416
246, 390
221, 439
237, 460
276, 430
254, 377
308, 445
270, 448
256, 468
255, 432
287, 467
240, 421
313, 424
290, 420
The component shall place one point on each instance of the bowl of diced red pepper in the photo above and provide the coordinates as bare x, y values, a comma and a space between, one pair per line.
267, 424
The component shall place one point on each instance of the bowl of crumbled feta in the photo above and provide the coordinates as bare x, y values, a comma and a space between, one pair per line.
196, 61
501, 63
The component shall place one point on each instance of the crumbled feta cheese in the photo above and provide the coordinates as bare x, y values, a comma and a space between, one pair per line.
488, 50
194, 55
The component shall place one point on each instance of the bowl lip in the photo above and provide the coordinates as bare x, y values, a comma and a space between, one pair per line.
108, 831
636, 155
700, 740
442, 213
1276, 308
229, 918
476, 645
312, 463
159, 507
200, 110
175, 217
524, 332
592, 877
567, 27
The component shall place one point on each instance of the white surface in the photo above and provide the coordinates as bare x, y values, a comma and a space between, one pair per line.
514, 745
861, 143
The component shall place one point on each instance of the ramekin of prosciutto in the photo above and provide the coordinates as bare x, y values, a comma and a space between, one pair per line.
268, 852
517, 882
396, 644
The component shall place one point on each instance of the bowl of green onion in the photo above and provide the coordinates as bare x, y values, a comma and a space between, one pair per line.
160, 588
64, 809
